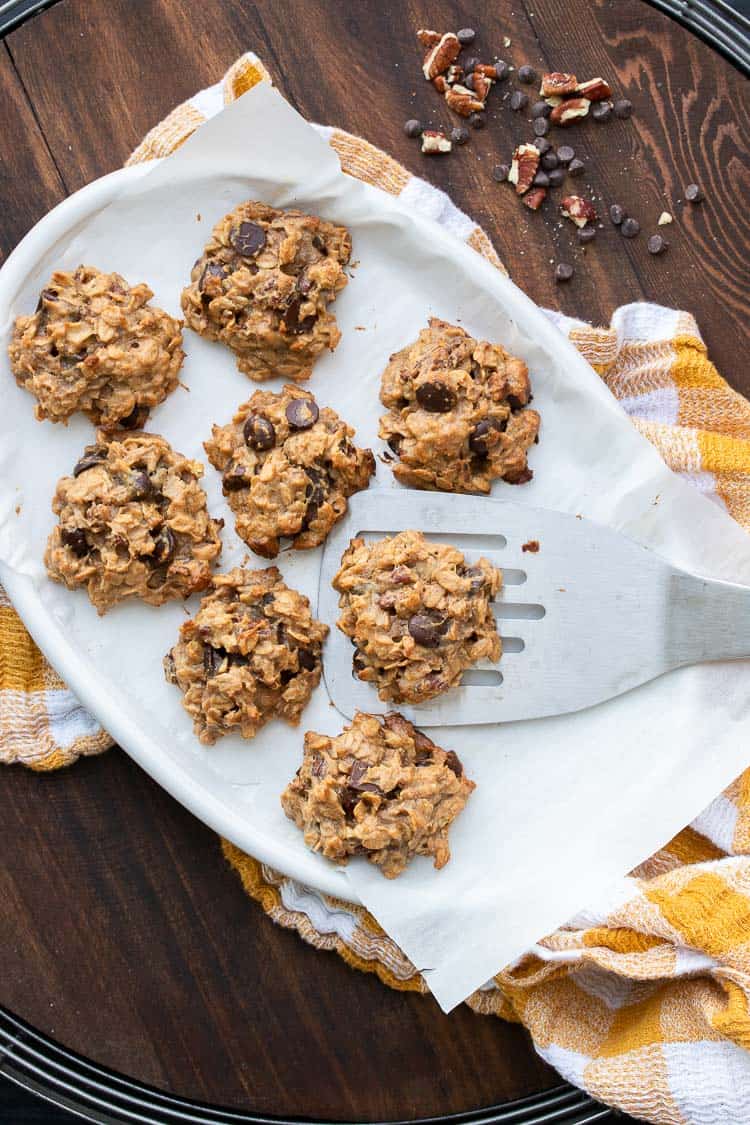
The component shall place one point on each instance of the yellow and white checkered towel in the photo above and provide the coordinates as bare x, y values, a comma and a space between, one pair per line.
644, 999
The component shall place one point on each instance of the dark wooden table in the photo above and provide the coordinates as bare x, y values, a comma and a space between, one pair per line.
124, 934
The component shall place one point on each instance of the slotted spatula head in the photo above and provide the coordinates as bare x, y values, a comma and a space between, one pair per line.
587, 616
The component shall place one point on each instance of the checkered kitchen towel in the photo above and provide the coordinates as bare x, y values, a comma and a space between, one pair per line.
643, 1000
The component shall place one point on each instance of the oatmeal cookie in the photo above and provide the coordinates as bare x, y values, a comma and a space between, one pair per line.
94, 344
252, 651
457, 412
263, 285
381, 789
287, 469
132, 523
417, 615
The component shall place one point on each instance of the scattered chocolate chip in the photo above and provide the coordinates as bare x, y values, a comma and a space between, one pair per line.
541, 179
247, 239
92, 455
518, 100
466, 36
616, 213
413, 128
453, 762
693, 193
307, 659
427, 628
302, 413
549, 161
623, 108
460, 135
470, 63
563, 272
436, 397
135, 419
500, 172
358, 661
348, 798
656, 244
478, 436
213, 658
543, 145
259, 433
556, 177
234, 478
469, 81
141, 485
212, 269
502, 70
527, 74
586, 234
541, 127
602, 112
477, 121
75, 538
521, 477
541, 109
165, 546
576, 167
565, 154
629, 228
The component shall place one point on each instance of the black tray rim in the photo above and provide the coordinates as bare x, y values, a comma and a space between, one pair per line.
36, 1063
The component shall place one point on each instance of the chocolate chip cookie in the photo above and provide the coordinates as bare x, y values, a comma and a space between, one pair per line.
381, 789
132, 522
287, 469
252, 651
417, 614
457, 412
94, 344
263, 285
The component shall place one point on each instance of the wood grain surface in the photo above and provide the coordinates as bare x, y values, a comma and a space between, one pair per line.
123, 932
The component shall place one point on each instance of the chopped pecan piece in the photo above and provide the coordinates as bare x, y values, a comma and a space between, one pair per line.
569, 111
523, 168
558, 84
482, 84
596, 90
441, 56
434, 142
462, 101
428, 38
578, 209
535, 198
454, 74
440, 82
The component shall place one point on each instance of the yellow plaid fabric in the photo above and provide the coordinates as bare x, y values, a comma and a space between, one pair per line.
643, 999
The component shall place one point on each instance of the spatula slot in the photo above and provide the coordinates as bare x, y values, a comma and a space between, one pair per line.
481, 677
513, 644
513, 577
518, 610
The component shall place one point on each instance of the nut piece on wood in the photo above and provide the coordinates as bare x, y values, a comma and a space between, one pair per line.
558, 84
441, 56
523, 168
569, 111
535, 198
463, 101
428, 38
482, 83
454, 74
578, 209
434, 143
440, 82
488, 70
596, 90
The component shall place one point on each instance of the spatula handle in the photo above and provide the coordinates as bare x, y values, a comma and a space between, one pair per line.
707, 620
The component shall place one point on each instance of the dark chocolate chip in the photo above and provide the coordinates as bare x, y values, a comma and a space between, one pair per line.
135, 419
541, 109
165, 546
75, 539
247, 239
234, 478
542, 145
469, 82
527, 74
470, 64
563, 272
478, 436
213, 659
259, 433
141, 485
518, 100
453, 762
586, 234
549, 161
348, 798
623, 108
466, 36
602, 112
541, 127
307, 659
302, 413
476, 577
212, 269
460, 135
693, 193
477, 121
556, 177
576, 167
292, 322
500, 172
92, 455
436, 397
541, 179
521, 477
427, 628
394, 442
657, 244
616, 213
565, 154
358, 661
629, 228
413, 128
502, 70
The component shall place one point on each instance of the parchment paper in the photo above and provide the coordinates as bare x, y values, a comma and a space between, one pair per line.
563, 806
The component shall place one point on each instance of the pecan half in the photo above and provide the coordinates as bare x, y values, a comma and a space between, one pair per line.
441, 56
434, 142
596, 90
482, 84
558, 84
523, 168
428, 38
568, 111
578, 209
463, 101
535, 198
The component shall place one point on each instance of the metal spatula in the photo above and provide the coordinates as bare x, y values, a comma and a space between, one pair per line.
587, 616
